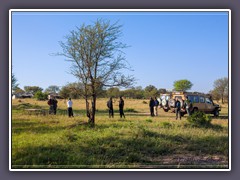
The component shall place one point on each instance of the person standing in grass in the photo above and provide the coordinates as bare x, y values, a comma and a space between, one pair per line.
55, 105
177, 109
156, 106
188, 105
151, 105
110, 108
70, 110
50, 103
121, 105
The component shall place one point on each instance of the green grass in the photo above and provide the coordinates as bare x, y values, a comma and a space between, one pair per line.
139, 141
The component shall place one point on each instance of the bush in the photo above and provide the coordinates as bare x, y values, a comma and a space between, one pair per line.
41, 96
200, 119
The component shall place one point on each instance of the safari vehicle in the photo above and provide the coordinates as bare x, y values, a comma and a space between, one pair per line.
200, 102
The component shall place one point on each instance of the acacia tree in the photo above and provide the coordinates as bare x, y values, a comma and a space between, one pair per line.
32, 89
221, 87
52, 89
95, 53
150, 91
182, 85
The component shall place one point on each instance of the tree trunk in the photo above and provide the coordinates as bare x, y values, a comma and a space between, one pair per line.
222, 99
93, 110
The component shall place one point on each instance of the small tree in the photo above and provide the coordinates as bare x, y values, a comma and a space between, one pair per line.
32, 89
182, 85
150, 91
199, 118
52, 89
39, 95
19, 91
14, 82
221, 88
97, 60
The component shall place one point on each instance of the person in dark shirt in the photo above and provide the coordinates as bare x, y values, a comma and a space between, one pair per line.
156, 106
55, 105
110, 108
177, 109
151, 105
50, 103
121, 105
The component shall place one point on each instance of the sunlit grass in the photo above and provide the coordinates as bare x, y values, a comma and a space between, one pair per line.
134, 142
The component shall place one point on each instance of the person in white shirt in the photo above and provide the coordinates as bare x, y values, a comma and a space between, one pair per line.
69, 105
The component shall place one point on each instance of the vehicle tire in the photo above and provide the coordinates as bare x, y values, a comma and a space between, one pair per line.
194, 110
182, 114
165, 110
172, 103
216, 113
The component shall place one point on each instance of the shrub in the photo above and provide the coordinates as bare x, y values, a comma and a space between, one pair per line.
200, 119
41, 96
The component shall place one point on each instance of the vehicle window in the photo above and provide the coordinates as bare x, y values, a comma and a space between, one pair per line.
196, 99
165, 97
201, 99
191, 98
208, 101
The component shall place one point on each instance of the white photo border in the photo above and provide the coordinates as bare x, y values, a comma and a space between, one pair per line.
118, 10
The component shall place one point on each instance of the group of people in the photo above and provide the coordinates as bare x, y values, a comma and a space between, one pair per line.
110, 107
52, 102
153, 104
187, 105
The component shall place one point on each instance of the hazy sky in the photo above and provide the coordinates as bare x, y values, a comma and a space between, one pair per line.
164, 46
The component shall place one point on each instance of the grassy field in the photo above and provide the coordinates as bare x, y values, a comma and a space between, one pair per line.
139, 141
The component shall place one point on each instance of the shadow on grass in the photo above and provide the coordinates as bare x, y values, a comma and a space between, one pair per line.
115, 151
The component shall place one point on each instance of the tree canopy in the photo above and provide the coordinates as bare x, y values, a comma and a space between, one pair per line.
52, 89
14, 82
220, 88
182, 85
32, 89
96, 55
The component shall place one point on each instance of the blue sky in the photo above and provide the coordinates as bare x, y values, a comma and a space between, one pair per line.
164, 46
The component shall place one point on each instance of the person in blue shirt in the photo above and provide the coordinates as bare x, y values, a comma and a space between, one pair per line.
156, 106
177, 109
